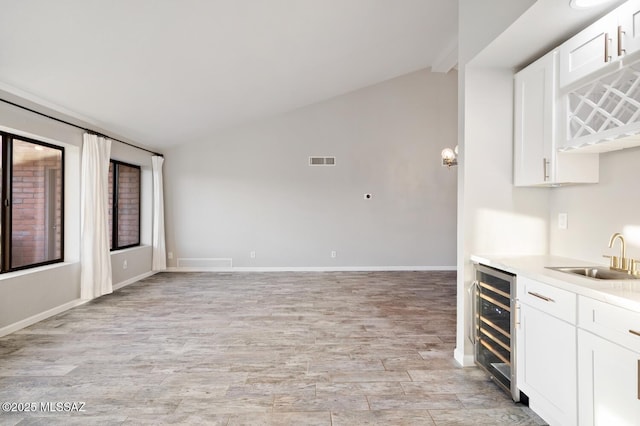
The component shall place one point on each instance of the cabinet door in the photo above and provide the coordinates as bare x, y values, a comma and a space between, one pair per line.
546, 365
608, 378
629, 20
534, 122
589, 50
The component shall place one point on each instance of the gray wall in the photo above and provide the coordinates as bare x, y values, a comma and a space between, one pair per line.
251, 189
32, 294
596, 211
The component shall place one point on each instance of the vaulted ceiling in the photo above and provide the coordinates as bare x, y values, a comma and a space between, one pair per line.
165, 72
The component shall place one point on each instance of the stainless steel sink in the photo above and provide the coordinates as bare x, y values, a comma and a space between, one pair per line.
599, 273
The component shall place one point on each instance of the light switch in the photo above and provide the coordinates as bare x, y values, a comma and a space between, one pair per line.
562, 221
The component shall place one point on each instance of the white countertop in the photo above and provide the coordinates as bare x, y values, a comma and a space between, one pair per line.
623, 293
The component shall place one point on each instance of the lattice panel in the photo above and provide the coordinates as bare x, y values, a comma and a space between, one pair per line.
608, 103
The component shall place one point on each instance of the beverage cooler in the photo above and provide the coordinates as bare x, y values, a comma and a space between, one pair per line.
493, 326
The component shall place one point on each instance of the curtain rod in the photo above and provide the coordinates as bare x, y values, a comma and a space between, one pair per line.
77, 127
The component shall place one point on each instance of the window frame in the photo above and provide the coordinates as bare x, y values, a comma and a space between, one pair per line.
6, 207
114, 205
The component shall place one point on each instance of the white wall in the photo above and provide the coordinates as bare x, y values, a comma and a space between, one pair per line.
251, 189
480, 22
500, 218
493, 216
497, 218
29, 295
596, 211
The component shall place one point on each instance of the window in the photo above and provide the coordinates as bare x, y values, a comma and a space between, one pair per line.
124, 193
32, 214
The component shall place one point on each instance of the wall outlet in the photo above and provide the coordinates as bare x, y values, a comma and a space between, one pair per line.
170, 255
125, 265
333, 254
562, 221
252, 254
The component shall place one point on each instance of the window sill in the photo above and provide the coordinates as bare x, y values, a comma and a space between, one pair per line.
129, 249
37, 269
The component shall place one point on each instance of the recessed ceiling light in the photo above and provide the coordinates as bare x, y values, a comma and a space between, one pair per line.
584, 4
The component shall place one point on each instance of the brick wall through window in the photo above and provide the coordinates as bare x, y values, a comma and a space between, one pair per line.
128, 205
124, 179
36, 204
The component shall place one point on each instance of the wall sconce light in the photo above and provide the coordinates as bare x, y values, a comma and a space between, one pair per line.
449, 156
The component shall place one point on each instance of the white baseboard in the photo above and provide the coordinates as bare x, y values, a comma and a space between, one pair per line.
12, 328
462, 359
314, 269
133, 280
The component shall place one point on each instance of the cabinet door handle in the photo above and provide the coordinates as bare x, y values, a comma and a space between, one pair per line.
607, 58
545, 168
539, 296
621, 51
637, 333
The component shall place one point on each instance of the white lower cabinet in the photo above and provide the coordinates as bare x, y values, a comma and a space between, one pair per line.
546, 350
608, 378
577, 358
608, 364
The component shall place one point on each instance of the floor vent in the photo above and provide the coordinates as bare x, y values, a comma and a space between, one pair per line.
322, 161
204, 263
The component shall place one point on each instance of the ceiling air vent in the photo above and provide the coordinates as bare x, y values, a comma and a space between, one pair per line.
322, 161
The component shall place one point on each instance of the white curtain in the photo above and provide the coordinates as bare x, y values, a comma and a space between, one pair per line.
95, 257
159, 252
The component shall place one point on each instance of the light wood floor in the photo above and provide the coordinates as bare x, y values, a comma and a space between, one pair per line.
256, 349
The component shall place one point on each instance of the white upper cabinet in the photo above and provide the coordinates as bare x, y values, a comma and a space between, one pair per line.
629, 19
534, 123
599, 84
588, 51
536, 160
600, 47
579, 100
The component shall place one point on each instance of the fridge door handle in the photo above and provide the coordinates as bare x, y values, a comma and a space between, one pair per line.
473, 325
